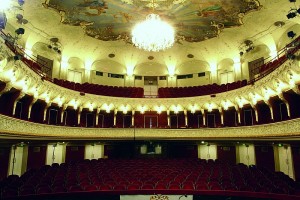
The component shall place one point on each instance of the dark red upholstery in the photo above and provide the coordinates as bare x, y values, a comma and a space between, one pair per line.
190, 176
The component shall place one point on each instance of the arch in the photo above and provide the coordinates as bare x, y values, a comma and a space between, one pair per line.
151, 69
75, 63
41, 48
108, 66
284, 39
226, 64
259, 51
192, 67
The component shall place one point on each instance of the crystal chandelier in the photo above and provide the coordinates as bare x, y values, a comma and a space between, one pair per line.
153, 34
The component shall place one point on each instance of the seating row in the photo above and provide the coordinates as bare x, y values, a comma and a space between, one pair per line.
174, 92
149, 174
133, 92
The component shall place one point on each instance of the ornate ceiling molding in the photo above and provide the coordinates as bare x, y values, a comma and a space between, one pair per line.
112, 20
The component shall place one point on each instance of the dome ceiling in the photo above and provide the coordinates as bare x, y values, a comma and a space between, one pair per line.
206, 30
194, 21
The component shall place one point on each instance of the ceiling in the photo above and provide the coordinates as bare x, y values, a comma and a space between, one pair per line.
209, 31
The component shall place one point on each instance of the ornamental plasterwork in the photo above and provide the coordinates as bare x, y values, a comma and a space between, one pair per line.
112, 20
10, 127
156, 4
48, 91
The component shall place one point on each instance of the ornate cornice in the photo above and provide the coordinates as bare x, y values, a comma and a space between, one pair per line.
11, 127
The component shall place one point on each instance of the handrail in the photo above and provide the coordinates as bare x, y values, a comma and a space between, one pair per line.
280, 58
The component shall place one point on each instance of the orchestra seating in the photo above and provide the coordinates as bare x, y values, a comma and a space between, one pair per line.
153, 174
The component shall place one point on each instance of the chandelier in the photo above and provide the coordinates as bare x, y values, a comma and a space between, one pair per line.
153, 34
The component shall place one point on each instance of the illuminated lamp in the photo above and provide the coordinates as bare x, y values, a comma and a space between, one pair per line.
291, 34
3, 20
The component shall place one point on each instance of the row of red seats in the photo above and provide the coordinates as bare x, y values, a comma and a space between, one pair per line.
174, 92
132, 92
270, 66
149, 174
289, 52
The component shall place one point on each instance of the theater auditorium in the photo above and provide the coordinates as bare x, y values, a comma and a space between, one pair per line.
150, 99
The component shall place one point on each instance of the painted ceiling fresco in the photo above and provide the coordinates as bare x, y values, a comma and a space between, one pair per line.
194, 20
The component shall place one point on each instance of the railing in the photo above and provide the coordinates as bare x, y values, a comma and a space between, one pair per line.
30, 61
12, 127
273, 63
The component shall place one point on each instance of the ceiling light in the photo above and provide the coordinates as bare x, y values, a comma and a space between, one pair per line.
291, 34
291, 15
153, 34
5, 4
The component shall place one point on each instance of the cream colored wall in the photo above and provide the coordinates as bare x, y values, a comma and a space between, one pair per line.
59, 154
207, 152
129, 81
172, 81
94, 151
245, 154
139, 83
195, 81
18, 163
284, 160
162, 83
105, 80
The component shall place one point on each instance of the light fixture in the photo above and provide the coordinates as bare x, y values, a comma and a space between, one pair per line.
153, 34
3, 20
291, 34
5, 5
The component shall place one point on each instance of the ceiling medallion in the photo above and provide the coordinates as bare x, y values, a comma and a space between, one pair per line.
111, 55
190, 55
153, 34
150, 57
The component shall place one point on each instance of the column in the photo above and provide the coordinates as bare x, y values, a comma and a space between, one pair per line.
168, 118
63, 109
286, 103
255, 112
56, 153
30, 107
7, 88
185, 118
94, 151
203, 117
87, 74
115, 117
221, 115
97, 116
271, 110
132, 118
22, 94
79, 115
18, 159
245, 153
237, 70
284, 160
45, 112
207, 151
239, 114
